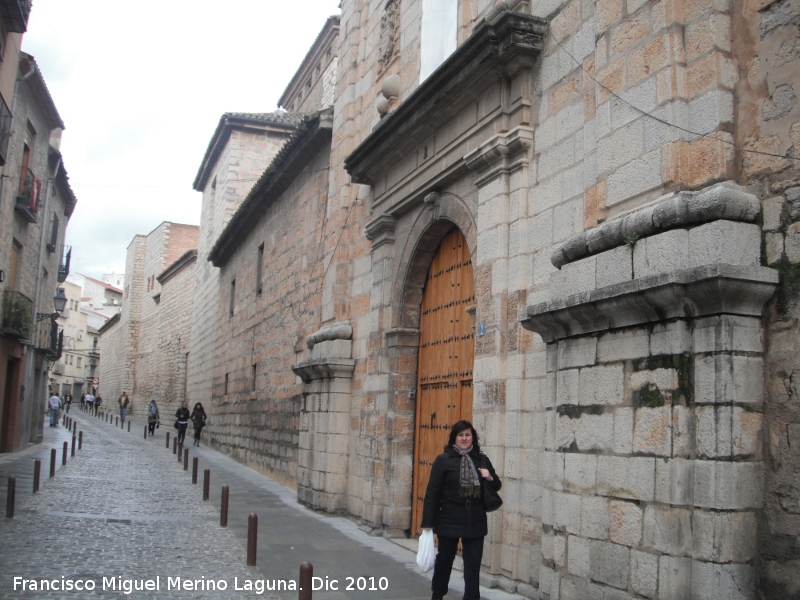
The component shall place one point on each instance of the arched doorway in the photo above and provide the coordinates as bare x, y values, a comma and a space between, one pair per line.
445, 360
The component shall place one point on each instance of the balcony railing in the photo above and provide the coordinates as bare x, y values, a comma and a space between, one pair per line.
28, 199
17, 319
5, 130
16, 14
49, 339
63, 268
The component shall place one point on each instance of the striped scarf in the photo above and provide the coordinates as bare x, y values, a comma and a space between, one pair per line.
470, 482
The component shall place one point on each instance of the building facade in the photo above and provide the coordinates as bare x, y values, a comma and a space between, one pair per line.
144, 346
36, 203
573, 223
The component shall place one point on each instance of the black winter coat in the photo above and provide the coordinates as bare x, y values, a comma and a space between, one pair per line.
449, 514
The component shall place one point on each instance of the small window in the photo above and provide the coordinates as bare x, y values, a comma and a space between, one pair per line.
253, 375
51, 247
225, 389
232, 299
79, 362
259, 269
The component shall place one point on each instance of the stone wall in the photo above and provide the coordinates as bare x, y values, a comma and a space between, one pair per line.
244, 158
256, 396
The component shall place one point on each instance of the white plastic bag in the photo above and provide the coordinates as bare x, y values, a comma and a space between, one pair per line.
426, 553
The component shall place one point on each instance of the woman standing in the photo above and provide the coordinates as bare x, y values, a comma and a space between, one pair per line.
152, 417
182, 416
199, 421
453, 507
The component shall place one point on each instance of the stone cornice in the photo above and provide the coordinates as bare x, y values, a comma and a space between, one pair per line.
402, 337
504, 153
336, 331
188, 258
323, 368
702, 291
380, 230
496, 48
722, 201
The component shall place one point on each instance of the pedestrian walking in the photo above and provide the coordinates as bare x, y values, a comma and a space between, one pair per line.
98, 405
83, 401
90, 403
123, 406
199, 418
454, 508
55, 406
182, 415
152, 417
67, 401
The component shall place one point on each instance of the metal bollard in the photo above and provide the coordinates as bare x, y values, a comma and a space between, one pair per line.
306, 573
168, 440
37, 470
129, 426
12, 490
223, 510
64, 454
80, 440
252, 539
175, 445
206, 483
194, 471
116, 423
74, 439
145, 432
186, 459
53, 462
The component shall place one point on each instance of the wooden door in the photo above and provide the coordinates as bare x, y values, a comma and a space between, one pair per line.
446, 350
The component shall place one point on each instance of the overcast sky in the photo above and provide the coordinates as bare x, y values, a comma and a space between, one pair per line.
141, 86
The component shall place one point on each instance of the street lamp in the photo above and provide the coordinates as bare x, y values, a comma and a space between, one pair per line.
59, 303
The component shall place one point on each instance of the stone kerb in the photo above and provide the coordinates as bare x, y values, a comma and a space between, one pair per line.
653, 453
325, 418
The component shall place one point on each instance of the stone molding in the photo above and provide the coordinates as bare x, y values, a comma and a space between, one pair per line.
721, 201
324, 368
402, 337
702, 291
341, 330
504, 153
381, 230
504, 45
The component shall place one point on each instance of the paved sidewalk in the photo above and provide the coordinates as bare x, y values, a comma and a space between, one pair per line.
124, 508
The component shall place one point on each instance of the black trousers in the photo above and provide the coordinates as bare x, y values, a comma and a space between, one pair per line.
151, 426
471, 552
182, 431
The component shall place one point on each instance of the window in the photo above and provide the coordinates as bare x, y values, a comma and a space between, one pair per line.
232, 299
225, 384
51, 247
259, 268
439, 36
79, 362
253, 374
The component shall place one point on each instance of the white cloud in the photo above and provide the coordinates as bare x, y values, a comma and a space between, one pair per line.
141, 86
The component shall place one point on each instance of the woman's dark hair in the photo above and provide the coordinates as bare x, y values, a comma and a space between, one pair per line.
458, 428
198, 404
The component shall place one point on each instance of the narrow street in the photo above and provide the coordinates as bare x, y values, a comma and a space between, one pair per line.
123, 512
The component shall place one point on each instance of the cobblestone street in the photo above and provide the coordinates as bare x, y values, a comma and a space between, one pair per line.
123, 510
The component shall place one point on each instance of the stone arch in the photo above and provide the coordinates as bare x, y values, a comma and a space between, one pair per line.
430, 226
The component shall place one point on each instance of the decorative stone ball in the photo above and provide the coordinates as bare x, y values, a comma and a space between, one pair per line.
390, 87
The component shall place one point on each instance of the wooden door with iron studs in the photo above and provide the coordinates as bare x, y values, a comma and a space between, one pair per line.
445, 360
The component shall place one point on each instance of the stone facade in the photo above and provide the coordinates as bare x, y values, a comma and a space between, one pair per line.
625, 176
36, 202
144, 350
241, 148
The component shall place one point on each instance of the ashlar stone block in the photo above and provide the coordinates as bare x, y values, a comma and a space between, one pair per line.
671, 338
644, 573
625, 523
623, 345
626, 477
653, 431
578, 352
717, 582
594, 517
726, 485
609, 563
668, 530
725, 242
602, 385
578, 563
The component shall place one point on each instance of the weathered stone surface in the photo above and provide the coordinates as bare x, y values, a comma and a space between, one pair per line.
609, 563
